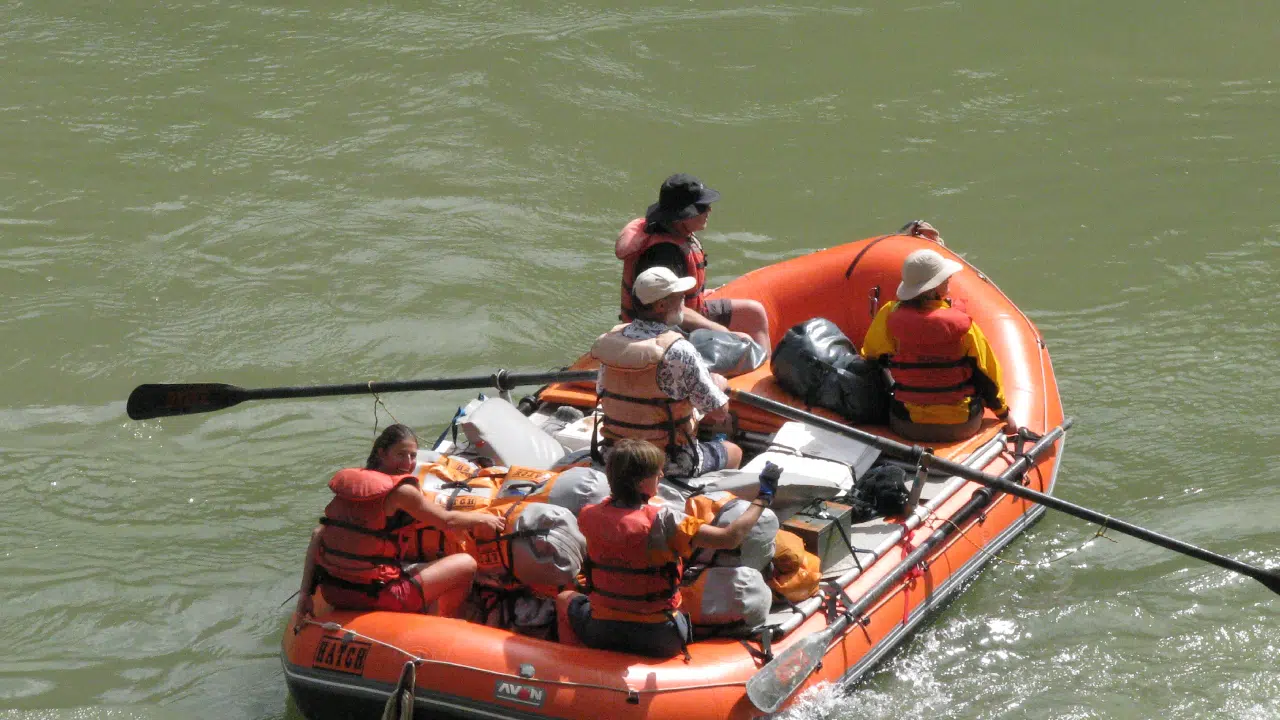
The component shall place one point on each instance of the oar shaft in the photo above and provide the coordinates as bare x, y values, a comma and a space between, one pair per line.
918, 454
501, 380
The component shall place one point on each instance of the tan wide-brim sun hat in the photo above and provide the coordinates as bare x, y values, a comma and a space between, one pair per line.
924, 270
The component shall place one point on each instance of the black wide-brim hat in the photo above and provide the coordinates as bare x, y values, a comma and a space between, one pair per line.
679, 198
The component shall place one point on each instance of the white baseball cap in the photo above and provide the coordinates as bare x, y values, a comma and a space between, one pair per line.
658, 282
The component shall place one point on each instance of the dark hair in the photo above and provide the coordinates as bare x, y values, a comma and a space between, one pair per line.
392, 435
630, 462
654, 225
919, 301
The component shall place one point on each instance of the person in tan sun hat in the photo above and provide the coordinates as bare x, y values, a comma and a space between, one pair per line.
942, 368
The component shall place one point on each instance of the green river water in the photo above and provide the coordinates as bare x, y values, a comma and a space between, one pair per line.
269, 193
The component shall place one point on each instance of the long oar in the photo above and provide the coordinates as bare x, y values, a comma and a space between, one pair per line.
915, 453
772, 684
160, 400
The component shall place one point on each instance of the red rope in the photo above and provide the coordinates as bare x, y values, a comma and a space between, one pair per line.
915, 572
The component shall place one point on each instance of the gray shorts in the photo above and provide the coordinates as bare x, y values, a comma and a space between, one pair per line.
662, 640
689, 462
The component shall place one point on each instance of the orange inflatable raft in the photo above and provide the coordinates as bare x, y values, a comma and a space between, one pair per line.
345, 664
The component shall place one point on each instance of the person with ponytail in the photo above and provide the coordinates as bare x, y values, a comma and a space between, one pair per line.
354, 555
665, 237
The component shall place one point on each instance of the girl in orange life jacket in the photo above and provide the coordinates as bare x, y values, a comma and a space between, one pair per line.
445, 582
665, 236
943, 369
634, 550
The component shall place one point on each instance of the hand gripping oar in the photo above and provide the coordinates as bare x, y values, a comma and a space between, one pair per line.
159, 400
915, 453
772, 684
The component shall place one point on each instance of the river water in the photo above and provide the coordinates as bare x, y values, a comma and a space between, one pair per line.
269, 193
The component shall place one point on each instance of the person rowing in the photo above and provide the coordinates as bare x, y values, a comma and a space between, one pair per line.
666, 237
651, 380
355, 557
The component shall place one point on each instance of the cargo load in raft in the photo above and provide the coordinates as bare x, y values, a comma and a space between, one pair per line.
873, 590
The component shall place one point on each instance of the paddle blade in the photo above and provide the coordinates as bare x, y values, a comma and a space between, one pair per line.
153, 401
1272, 581
770, 687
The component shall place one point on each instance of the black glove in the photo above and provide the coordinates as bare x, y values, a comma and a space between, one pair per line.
769, 481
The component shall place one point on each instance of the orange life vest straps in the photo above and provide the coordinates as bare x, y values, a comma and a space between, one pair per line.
669, 425
930, 366
359, 545
382, 534
634, 405
670, 572
618, 568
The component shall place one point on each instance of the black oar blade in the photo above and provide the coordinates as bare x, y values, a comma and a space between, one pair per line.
770, 687
1272, 582
159, 400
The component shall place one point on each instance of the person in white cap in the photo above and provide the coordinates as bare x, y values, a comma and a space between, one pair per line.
943, 370
652, 380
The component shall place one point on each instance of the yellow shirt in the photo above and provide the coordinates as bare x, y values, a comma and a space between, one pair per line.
878, 342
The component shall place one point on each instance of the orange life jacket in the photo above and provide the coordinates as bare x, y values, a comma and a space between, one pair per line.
491, 550
634, 406
359, 544
930, 366
448, 469
522, 481
632, 243
420, 542
621, 572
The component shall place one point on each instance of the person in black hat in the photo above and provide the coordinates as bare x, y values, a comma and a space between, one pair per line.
665, 237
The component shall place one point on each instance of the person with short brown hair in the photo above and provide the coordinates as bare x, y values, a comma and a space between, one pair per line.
634, 559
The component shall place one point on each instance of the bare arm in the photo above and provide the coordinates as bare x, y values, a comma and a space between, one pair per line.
694, 320
410, 499
732, 535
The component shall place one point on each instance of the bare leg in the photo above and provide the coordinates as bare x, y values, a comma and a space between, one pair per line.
733, 459
446, 583
563, 626
749, 317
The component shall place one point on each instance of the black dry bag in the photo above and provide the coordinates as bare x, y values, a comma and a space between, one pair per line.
816, 362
